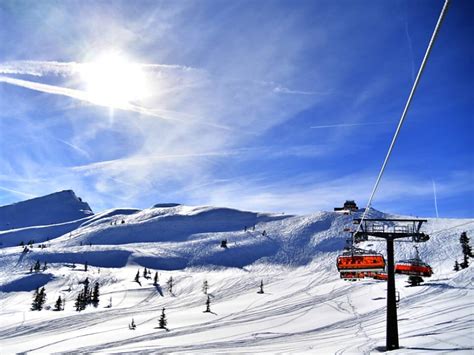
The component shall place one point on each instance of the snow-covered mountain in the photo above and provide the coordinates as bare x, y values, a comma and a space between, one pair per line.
306, 307
59, 207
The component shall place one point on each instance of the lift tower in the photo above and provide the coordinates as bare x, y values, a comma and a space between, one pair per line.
390, 229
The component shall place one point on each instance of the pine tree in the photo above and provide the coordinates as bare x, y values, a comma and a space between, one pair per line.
137, 276
58, 305
169, 283
205, 287
42, 297
45, 266
261, 287
162, 323
145, 273
86, 293
79, 304
415, 280
84, 298
466, 250
208, 305
39, 299
155, 280
37, 266
63, 304
95, 295
85, 266
34, 304
132, 325
456, 266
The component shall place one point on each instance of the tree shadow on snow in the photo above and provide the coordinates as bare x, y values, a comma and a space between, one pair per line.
445, 286
159, 289
429, 350
167, 329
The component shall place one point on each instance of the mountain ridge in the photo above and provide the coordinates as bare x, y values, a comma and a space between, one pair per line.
58, 207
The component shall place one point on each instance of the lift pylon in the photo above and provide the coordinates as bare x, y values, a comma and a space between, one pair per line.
391, 229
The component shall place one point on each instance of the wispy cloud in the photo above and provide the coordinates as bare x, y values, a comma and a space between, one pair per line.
313, 193
201, 103
226, 121
284, 90
246, 153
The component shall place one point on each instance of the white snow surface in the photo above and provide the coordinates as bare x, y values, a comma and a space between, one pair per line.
306, 307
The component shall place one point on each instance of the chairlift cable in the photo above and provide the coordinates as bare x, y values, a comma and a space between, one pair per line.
447, 229
402, 118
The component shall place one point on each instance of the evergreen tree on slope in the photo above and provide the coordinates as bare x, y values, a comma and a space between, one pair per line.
162, 323
466, 250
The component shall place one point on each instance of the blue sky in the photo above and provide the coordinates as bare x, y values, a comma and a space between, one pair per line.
285, 106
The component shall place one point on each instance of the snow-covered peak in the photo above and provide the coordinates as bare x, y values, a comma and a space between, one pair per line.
58, 207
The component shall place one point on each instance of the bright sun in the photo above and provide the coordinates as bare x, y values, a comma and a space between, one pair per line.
113, 81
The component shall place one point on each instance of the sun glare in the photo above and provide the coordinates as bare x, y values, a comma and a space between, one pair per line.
113, 81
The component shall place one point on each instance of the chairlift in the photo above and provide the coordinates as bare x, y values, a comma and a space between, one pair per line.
414, 266
352, 276
382, 276
360, 260
421, 237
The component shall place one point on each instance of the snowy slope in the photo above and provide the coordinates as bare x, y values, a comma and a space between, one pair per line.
306, 307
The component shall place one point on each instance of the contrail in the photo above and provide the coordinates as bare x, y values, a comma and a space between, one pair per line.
410, 46
142, 160
50, 89
348, 125
16, 192
75, 147
435, 198
40, 68
84, 96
